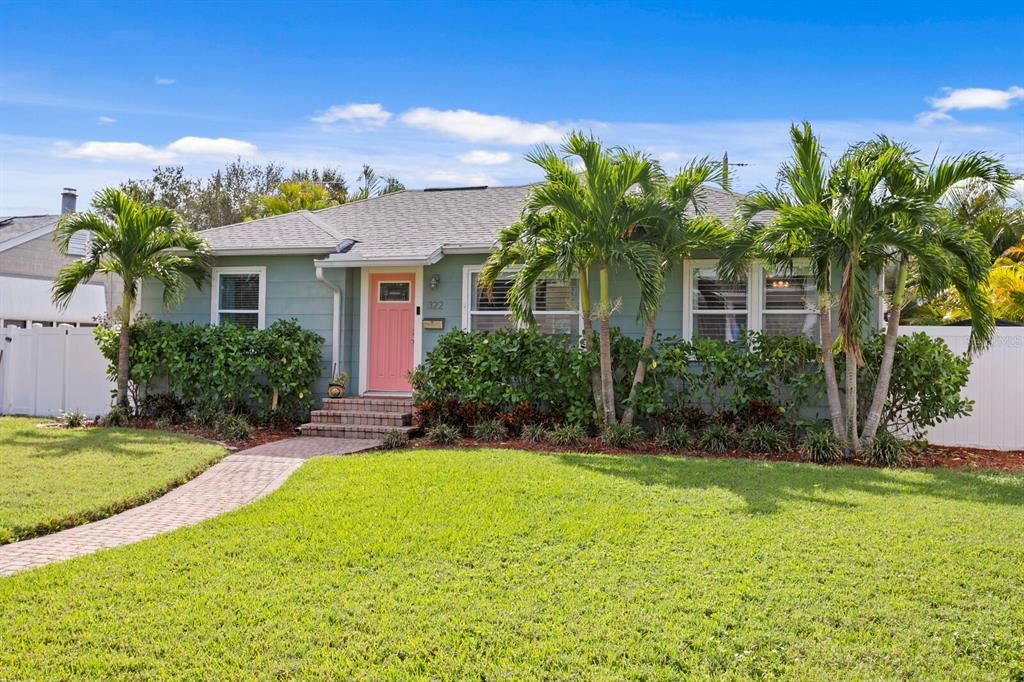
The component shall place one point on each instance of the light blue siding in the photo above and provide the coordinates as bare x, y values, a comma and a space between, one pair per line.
292, 291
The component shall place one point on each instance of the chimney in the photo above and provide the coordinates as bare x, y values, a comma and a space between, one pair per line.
67, 200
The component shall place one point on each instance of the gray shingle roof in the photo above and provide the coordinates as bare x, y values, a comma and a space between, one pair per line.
412, 224
18, 225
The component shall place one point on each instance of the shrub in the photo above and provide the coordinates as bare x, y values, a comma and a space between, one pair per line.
822, 446
203, 416
764, 438
166, 406
394, 440
443, 434
535, 433
717, 438
71, 420
117, 416
886, 450
926, 386
620, 435
491, 429
219, 367
674, 438
232, 427
567, 435
474, 376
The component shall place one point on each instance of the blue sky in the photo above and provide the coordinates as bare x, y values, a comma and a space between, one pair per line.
455, 93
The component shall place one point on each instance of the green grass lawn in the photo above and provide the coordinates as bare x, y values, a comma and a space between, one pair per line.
55, 478
512, 565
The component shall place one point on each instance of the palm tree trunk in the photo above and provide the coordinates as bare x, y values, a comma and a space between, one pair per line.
851, 402
874, 416
605, 338
641, 371
835, 406
588, 340
122, 349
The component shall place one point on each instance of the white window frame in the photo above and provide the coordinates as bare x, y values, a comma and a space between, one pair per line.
755, 310
467, 299
261, 312
761, 272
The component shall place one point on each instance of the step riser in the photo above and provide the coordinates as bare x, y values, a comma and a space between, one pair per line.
367, 405
356, 419
349, 431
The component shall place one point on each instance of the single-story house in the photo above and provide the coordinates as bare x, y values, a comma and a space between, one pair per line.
28, 265
383, 278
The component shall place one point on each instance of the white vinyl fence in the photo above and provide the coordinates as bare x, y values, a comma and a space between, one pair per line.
46, 370
996, 386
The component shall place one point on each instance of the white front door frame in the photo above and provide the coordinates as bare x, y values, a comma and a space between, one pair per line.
364, 317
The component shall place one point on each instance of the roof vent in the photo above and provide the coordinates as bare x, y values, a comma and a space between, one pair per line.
345, 246
453, 189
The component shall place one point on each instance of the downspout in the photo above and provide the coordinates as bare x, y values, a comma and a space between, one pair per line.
335, 321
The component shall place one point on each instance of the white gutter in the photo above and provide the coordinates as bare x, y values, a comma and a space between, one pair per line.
336, 313
355, 261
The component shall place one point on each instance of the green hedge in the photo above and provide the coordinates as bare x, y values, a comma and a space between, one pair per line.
525, 377
222, 368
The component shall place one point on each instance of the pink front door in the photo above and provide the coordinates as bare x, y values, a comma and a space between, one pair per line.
392, 331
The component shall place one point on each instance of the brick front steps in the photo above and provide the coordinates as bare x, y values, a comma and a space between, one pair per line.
359, 418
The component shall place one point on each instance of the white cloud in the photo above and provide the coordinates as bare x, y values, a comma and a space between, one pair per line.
446, 177
106, 120
476, 127
164, 81
373, 114
212, 146
222, 147
977, 98
928, 117
963, 99
482, 157
114, 151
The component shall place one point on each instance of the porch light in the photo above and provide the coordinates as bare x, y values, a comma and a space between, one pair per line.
435, 281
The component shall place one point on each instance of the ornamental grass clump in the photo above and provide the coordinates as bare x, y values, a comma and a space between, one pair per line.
393, 440
567, 435
621, 435
822, 446
535, 433
443, 434
71, 420
490, 430
717, 438
233, 427
674, 438
886, 450
764, 438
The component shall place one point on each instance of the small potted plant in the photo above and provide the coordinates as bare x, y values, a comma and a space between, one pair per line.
336, 386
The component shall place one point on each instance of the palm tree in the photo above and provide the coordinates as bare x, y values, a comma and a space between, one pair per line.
944, 252
133, 241
769, 226
597, 210
681, 228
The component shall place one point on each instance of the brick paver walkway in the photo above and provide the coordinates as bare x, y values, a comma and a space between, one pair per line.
234, 481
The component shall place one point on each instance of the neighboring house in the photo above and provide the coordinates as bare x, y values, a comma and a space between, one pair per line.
28, 264
382, 279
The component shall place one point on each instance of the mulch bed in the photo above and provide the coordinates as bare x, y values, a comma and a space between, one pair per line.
258, 435
930, 457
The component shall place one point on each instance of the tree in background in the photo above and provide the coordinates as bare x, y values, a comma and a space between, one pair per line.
242, 189
133, 241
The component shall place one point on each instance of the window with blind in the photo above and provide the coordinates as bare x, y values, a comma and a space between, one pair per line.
238, 297
719, 306
555, 305
789, 303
